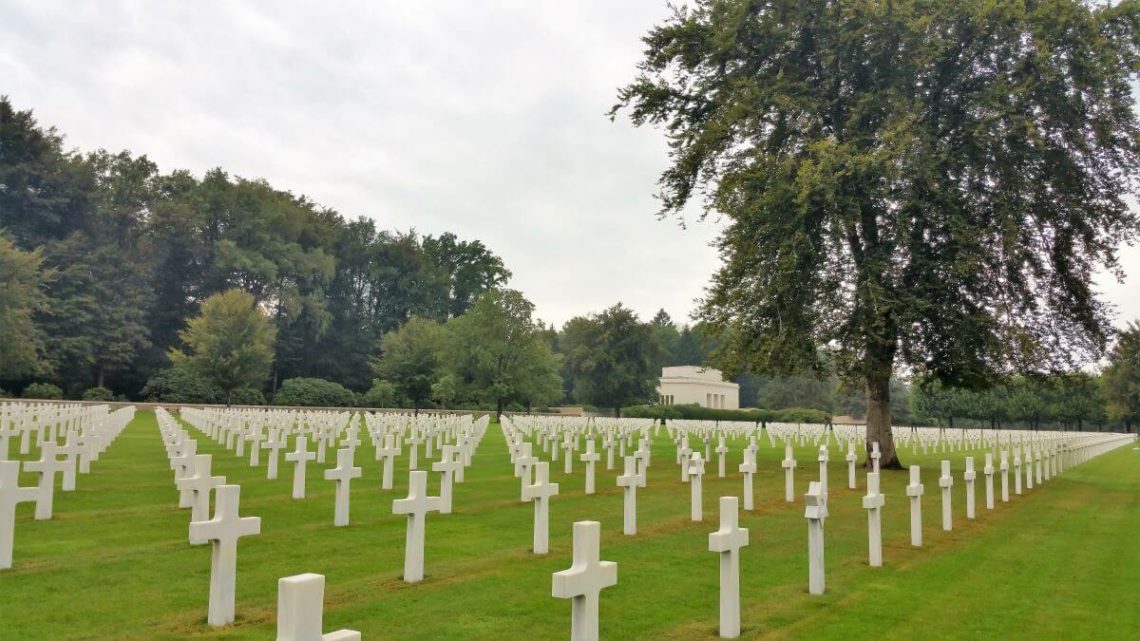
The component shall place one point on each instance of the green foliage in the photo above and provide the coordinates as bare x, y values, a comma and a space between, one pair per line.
445, 390
381, 394
612, 357
1121, 379
409, 357
498, 354
43, 391
98, 394
313, 392
247, 396
926, 183
21, 296
230, 344
1071, 400
138, 251
180, 385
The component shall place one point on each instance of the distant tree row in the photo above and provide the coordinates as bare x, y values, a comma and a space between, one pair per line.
105, 260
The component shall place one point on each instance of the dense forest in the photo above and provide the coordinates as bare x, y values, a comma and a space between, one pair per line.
130, 252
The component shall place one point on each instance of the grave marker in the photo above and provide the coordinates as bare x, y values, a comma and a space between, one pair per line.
584, 581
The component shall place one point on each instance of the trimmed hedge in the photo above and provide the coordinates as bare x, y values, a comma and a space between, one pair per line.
314, 392
754, 415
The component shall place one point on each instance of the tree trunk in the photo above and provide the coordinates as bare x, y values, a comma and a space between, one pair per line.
879, 419
499, 410
617, 412
100, 376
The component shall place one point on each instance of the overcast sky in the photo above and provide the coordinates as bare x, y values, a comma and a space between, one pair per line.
482, 118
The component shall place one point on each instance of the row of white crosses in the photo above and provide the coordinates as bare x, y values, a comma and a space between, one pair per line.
226, 526
87, 431
299, 602
589, 572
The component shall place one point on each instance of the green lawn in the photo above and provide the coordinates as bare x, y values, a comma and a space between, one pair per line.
1061, 562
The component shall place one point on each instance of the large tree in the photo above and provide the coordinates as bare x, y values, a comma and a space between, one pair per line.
409, 358
21, 296
917, 182
1121, 379
230, 344
613, 358
498, 353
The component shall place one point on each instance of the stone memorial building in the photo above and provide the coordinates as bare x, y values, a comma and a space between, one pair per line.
689, 384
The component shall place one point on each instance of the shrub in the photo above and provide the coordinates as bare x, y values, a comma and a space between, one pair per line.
98, 394
382, 394
247, 396
314, 392
43, 391
180, 385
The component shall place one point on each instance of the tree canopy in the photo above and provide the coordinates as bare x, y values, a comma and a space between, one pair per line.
613, 358
136, 251
917, 182
1121, 379
230, 344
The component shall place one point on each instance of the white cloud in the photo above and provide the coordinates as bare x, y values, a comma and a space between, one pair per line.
482, 118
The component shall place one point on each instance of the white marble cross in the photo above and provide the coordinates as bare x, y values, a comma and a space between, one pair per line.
970, 475
696, 473
851, 459
300, 610
416, 506
223, 531
590, 458
389, 453
47, 467
748, 468
823, 457
254, 437
1004, 466
584, 581
727, 541
199, 483
873, 503
10, 495
414, 451
946, 481
721, 451
1028, 458
183, 465
815, 513
274, 444
1017, 471
789, 465
875, 456
540, 492
71, 451
629, 482
685, 455
343, 474
915, 491
300, 457
447, 466
988, 470
568, 461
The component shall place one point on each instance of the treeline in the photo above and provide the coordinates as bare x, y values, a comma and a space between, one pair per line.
1077, 400
105, 258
